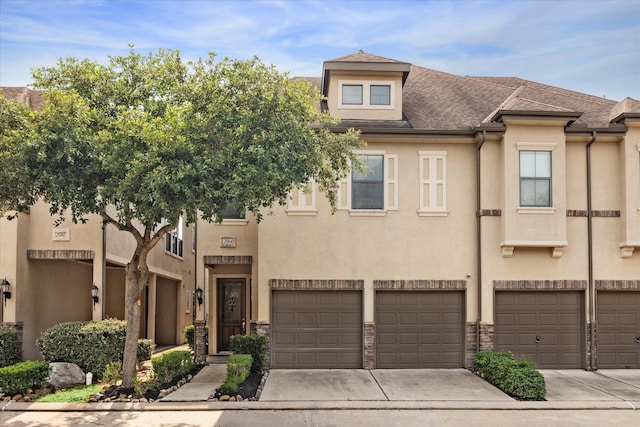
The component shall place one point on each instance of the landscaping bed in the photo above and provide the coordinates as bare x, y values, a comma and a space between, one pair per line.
249, 389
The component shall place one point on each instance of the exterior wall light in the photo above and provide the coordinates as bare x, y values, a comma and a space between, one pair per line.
199, 293
6, 293
94, 294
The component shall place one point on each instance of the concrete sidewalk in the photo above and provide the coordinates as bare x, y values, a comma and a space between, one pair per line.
384, 389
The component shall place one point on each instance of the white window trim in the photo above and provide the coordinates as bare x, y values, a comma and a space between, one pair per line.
390, 183
366, 94
302, 210
233, 222
428, 202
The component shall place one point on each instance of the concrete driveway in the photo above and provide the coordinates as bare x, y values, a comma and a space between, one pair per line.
602, 385
443, 385
377, 384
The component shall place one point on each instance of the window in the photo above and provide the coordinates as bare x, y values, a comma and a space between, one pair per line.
231, 212
352, 94
173, 239
380, 95
367, 187
433, 183
535, 178
302, 200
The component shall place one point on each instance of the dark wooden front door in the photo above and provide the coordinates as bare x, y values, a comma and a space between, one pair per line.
231, 310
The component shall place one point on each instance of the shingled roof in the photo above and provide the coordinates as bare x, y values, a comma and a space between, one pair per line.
437, 101
32, 98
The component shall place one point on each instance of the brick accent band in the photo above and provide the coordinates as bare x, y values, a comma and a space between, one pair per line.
227, 259
59, 254
596, 214
539, 284
618, 285
315, 284
420, 284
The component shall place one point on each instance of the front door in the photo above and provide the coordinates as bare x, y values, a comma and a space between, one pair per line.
231, 310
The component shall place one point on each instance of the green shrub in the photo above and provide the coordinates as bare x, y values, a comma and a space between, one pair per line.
238, 369
90, 345
525, 382
10, 348
239, 366
254, 345
189, 335
517, 378
18, 378
172, 364
112, 373
145, 349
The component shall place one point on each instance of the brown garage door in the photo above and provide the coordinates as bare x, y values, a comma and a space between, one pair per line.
317, 329
544, 326
419, 329
618, 329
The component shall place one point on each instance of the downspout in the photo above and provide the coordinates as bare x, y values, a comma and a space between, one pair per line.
479, 237
591, 284
104, 268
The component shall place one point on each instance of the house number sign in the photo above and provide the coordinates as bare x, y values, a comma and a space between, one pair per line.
228, 242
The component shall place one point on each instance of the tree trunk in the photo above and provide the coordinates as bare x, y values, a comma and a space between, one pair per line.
135, 284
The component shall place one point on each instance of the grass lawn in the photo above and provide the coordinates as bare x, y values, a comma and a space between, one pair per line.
72, 395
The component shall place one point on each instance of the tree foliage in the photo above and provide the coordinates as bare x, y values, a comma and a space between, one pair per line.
147, 138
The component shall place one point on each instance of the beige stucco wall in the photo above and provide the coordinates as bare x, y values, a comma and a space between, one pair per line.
399, 245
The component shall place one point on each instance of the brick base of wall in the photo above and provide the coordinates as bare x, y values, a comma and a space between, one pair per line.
592, 346
264, 329
369, 351
200, 341
485, 338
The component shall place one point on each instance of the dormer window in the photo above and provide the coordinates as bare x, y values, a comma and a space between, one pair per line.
380, 95
366, 94
352, 94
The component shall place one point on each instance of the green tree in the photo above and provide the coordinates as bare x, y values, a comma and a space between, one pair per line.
145, 139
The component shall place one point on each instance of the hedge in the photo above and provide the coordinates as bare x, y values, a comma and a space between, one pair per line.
517, 378
172, 364
10, 348
90, 345
21, 376
254, 345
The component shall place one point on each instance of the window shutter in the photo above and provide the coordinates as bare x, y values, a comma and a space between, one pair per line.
391, 182
344, 193
433, 181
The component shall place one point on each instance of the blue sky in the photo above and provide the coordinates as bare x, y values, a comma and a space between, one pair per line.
589, 46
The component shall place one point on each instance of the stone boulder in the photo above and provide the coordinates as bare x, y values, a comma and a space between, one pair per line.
65, 374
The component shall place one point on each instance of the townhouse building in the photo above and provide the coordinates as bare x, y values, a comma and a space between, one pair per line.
493, 213
69, 272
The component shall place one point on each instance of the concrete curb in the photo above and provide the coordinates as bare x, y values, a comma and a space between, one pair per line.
321, 405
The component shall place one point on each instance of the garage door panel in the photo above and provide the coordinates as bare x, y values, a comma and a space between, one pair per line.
544, 326
427, 326
317, 329
618, 314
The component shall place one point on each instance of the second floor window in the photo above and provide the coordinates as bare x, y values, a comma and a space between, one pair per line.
535, 179
173, 239
352, 94
380, 95
367, 187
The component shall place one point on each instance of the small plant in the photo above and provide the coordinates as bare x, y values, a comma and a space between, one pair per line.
145, 350
189, 335
254, 345
112, 373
